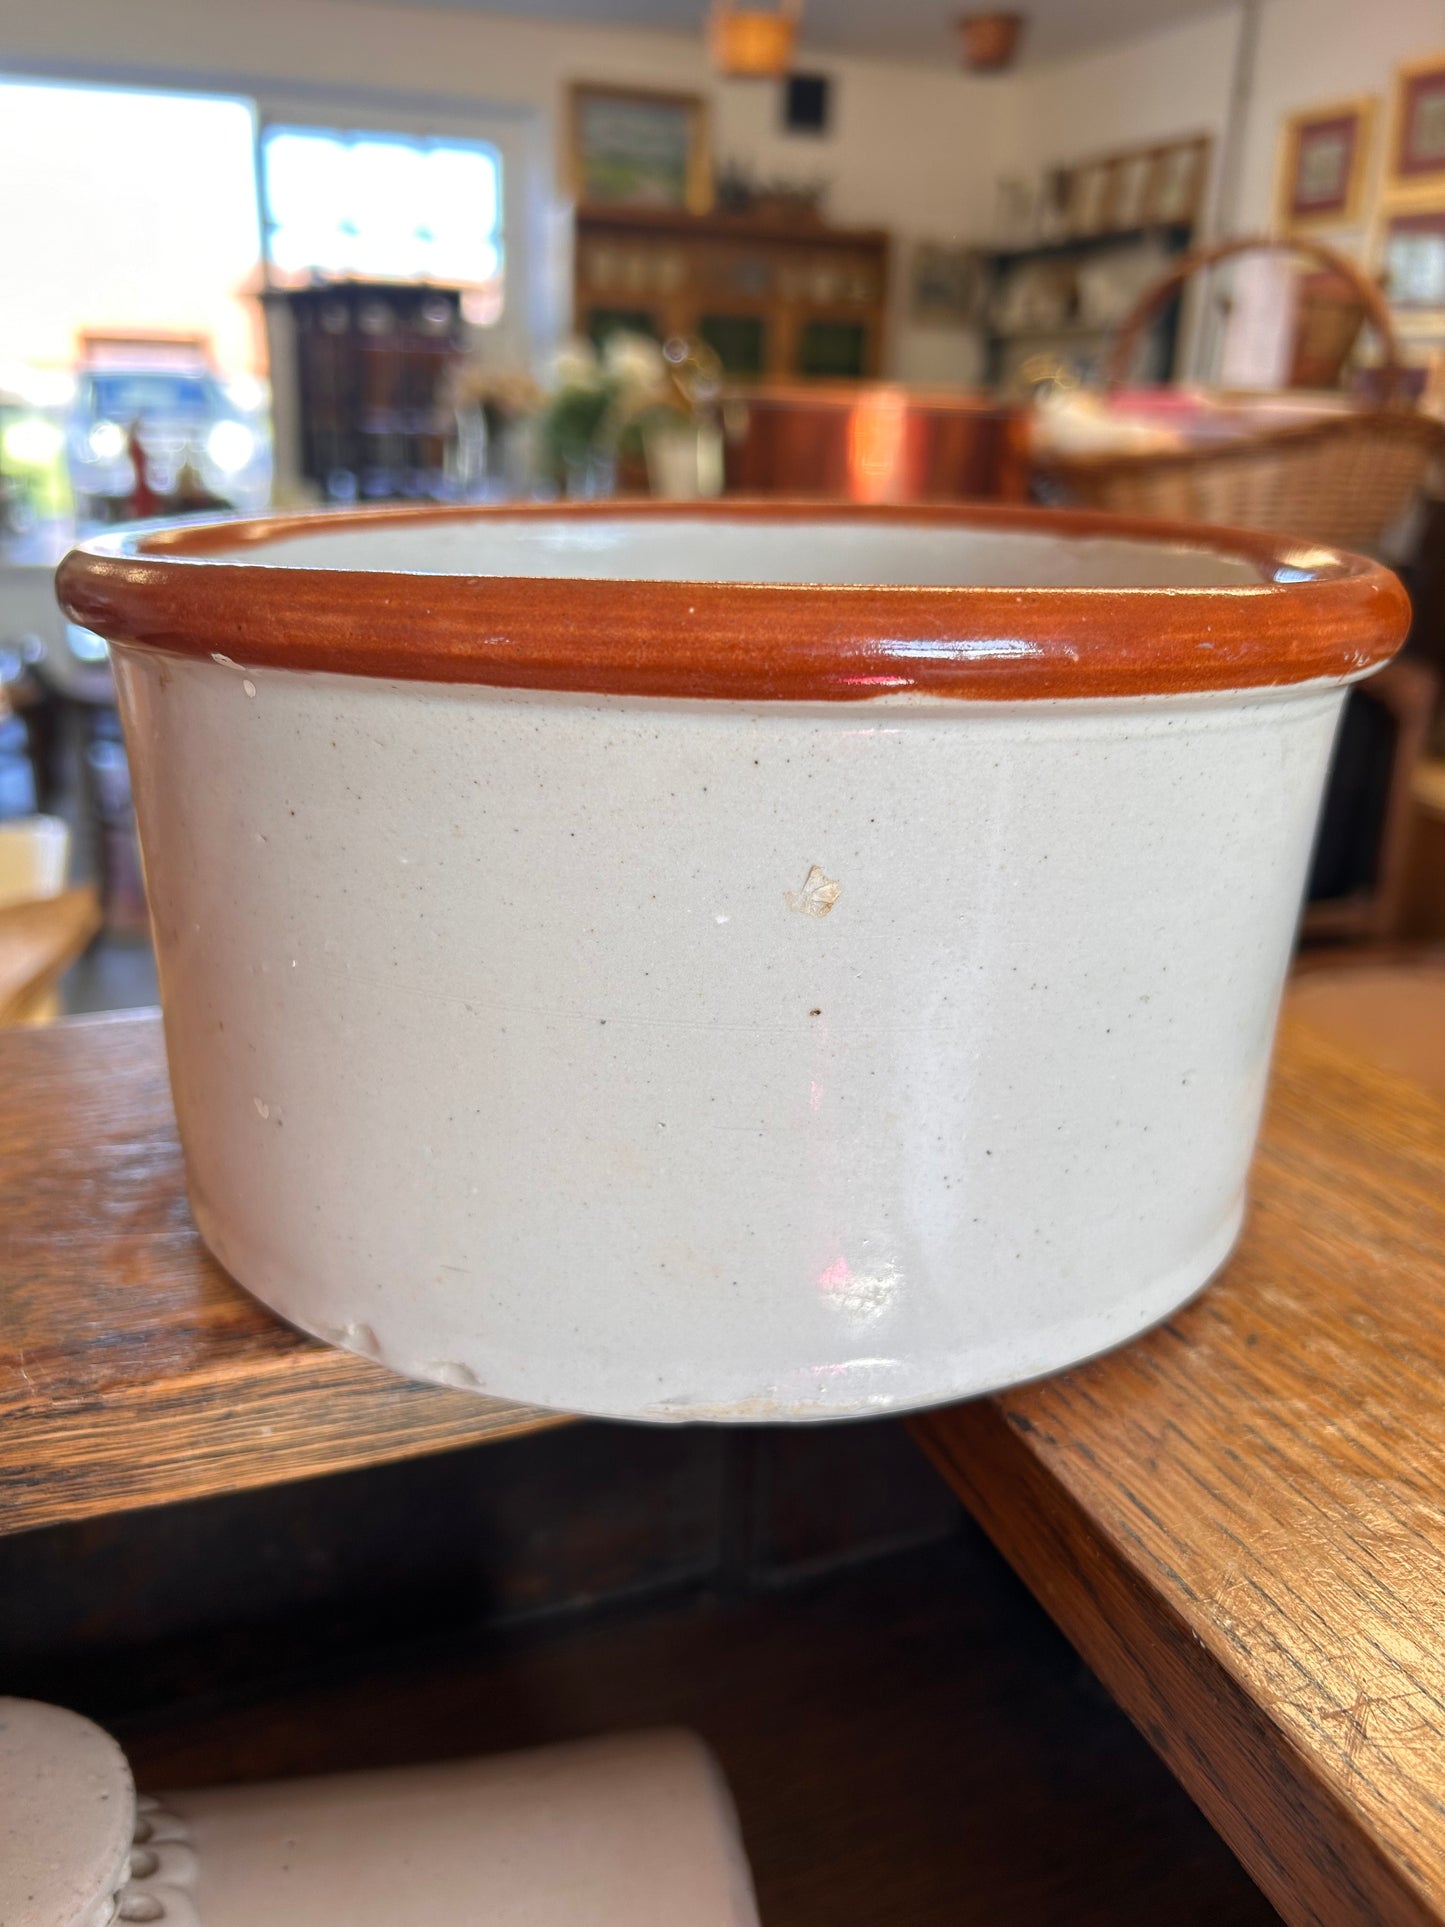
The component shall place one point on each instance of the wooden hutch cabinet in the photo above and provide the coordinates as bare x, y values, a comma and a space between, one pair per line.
774, 299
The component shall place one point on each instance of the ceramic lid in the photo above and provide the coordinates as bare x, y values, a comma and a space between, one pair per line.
67, 1816
749, 600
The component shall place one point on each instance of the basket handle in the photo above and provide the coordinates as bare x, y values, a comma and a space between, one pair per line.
1154, 300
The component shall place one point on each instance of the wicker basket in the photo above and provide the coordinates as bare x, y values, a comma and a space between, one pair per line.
1339, 479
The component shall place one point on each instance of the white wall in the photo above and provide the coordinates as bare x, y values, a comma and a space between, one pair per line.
912, 148
1175, 81
1315, 51
1179, 80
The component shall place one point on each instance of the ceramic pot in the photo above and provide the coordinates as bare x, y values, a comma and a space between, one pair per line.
730, 962
641, 1824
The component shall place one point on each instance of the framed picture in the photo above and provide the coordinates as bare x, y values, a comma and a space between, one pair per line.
1176, 186
946, 284
1324, 158
1089, 197
1412, 260
632, 148
1417, 133
1129, 190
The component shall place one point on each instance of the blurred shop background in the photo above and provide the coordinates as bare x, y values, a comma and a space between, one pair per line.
364, 251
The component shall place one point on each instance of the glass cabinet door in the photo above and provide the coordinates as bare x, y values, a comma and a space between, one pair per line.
739, 341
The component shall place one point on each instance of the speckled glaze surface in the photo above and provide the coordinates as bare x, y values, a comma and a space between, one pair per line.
681, 1058
67, 1818
632, 1830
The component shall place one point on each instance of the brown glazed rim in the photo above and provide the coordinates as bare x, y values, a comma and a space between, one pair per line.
1317, 614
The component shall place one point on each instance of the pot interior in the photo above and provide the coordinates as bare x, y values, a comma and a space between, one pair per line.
720, 548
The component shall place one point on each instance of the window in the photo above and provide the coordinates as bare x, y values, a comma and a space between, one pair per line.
126, 213
381, 207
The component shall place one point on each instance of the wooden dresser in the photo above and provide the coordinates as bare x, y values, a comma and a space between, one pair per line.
772, 298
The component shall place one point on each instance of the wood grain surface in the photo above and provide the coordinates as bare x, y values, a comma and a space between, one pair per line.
132, 1370
1393, 1015
1239, 1519
39, 940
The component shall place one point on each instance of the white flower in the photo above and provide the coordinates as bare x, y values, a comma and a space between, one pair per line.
575, 366
635, 361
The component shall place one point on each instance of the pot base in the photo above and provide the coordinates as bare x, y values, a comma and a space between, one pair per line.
865, 1387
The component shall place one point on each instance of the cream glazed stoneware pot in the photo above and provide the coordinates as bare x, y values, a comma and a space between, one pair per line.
739, 963
633, 1830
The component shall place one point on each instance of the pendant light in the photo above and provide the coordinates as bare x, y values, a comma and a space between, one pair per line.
754, 42
990, 40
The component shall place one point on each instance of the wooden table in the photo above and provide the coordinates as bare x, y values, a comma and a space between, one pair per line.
1239, 1519
131, 1369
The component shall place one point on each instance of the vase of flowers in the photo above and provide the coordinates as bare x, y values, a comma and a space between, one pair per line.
595, 398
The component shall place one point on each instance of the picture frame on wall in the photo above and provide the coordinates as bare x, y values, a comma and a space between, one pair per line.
1176, 186
1324, 158
946, 284
1412, 265
1417, 131
632, 147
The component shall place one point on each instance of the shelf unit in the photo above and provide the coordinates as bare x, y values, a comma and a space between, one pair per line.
775, 299
360, 374
1071, 333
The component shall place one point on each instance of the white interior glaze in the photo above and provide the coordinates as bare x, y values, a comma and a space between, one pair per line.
685, 549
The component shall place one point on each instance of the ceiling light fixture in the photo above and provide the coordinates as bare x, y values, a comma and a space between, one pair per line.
990, 40
754, 42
